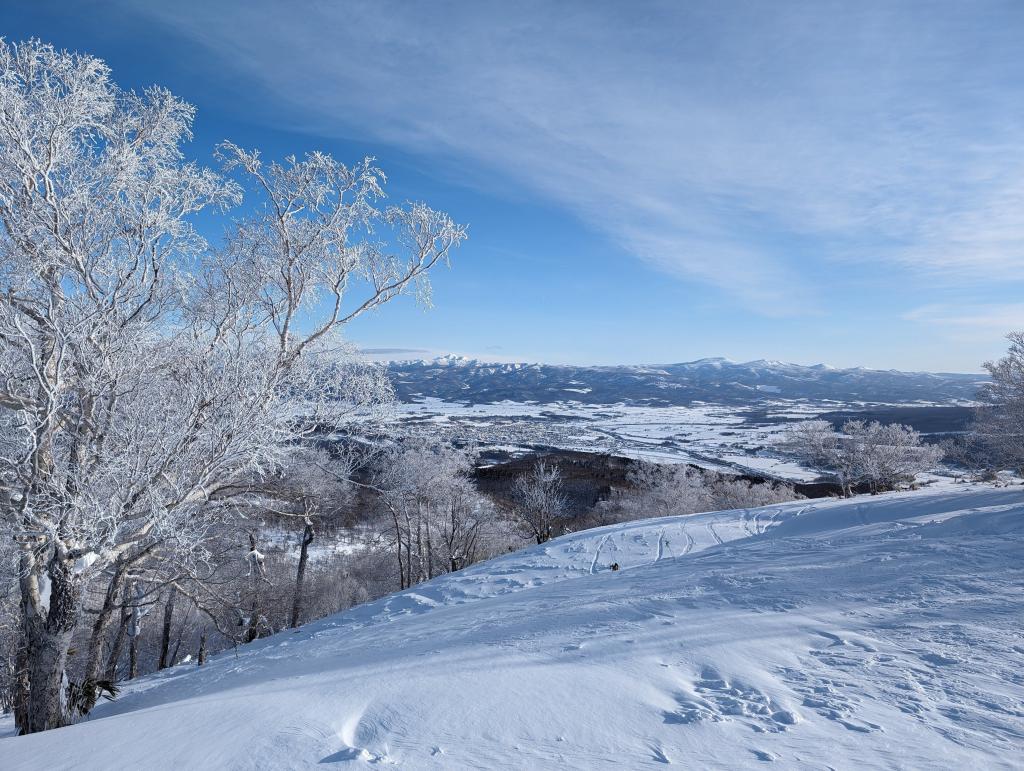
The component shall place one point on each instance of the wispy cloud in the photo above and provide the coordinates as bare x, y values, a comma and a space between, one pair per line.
709, 139
969, 323
392, 351
489, 354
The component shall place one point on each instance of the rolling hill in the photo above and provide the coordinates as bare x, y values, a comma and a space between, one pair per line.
876, 632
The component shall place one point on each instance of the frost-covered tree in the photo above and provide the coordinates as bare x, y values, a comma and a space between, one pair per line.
881, 456
663, 490
145, 378
466, 524
885, 456
315, 485
539, 499
10, 633
815, 442
999, 428
312, 484
437, 518
742, 494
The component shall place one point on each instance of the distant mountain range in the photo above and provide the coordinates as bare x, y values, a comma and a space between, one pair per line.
718, 381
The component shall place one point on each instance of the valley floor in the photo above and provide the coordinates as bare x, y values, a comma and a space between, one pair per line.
881, 632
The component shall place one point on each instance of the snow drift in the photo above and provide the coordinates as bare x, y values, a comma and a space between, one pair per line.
876, 632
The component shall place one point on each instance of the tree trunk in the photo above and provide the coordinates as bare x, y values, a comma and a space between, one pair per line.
134, 630
430, 553
182, 627
398, 547
257, 573
133, 656
165, 634
47, 658
307, 538
122, 632
201, 656
543, 532
21, 688
50, 606
408, 559
421, 572
102, 623
252, 631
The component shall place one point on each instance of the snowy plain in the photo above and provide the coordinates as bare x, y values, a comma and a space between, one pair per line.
719, 437
880, 632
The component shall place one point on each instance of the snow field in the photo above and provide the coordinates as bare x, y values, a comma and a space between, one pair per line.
877, 632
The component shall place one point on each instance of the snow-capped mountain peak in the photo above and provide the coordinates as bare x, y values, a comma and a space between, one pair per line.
712, 380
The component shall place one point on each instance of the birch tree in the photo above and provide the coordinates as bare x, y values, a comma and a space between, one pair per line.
662, 490
880, 456
999, 428
818, 445
438, 520
465, 522
146, 378
884, 456
311, 486
540, 500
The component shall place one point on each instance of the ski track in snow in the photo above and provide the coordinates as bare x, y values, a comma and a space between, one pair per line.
689, 540
597, 553
879, 632
714, 534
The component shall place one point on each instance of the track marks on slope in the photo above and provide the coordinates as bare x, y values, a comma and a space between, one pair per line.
749, 523
689, 541
597, 553
714, 534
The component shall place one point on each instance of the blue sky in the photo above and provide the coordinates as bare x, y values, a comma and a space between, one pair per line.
644, 182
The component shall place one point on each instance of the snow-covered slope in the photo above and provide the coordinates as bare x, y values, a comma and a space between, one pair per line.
880, 632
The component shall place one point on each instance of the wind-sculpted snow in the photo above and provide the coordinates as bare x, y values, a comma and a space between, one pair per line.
877, 632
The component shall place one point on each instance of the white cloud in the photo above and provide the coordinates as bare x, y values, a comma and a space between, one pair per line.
707, 139
970, 323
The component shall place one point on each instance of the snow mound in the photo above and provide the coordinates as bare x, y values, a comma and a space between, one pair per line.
877, 632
